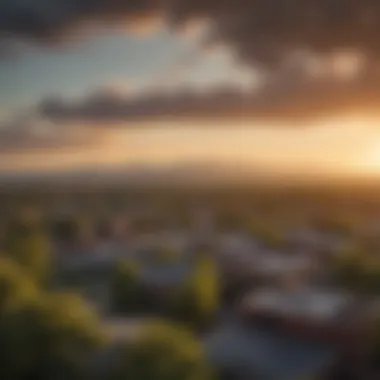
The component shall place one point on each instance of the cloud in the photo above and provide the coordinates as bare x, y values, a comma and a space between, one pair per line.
102, 108
259, 32
290, 98
47, 21
29, 134
264, 30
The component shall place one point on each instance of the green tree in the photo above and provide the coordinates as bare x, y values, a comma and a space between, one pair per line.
55, 334
28, 244
269, 235
71, 229
125, 287
370, 281
164, 352
348, 268
16, 289
373, 340
167, 255
197, 300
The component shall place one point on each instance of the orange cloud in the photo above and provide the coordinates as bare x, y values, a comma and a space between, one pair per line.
144, 25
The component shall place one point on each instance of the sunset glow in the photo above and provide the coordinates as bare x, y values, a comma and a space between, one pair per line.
144, 91
322, 148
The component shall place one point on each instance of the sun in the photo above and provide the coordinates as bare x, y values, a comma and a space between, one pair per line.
370, 162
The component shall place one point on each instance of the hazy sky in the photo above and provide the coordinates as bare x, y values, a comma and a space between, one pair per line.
107, 95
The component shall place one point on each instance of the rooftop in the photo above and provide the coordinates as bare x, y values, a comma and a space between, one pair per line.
166, 275
266, 354
275, 263
305, 302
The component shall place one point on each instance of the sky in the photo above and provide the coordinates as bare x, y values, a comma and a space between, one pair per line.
283, 88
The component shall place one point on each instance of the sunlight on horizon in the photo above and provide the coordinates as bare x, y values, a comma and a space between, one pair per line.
346, 145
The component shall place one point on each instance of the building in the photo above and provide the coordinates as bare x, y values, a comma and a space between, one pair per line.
243, 353
241, 257
281, 267
326, 316
203, 230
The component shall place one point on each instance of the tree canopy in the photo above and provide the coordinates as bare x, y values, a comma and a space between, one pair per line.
16, 289
125, 286
54, 334
197, 300
42, 334
28, 244
164, 352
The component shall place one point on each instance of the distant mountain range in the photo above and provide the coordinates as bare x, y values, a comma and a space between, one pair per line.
134, 174
184, 174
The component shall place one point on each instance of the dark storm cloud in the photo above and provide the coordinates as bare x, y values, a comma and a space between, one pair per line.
258, 29
289, 99
50, 20
103, 108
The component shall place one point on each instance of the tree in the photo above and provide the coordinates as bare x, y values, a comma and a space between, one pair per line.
72, 229
373, 339
28, 244
42, 334
54, 335
167, 255
348, 268
164, 352
16, 289
64, 230
197, 300
125, 287
269, 236
370, 281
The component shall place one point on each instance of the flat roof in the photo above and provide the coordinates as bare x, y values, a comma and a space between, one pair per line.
166, 275
273, 262
305, 302
266, 353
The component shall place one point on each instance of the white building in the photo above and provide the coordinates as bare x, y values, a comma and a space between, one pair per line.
304, 303
241, 256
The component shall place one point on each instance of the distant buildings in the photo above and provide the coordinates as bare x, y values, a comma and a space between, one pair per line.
242, 257
285, 326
